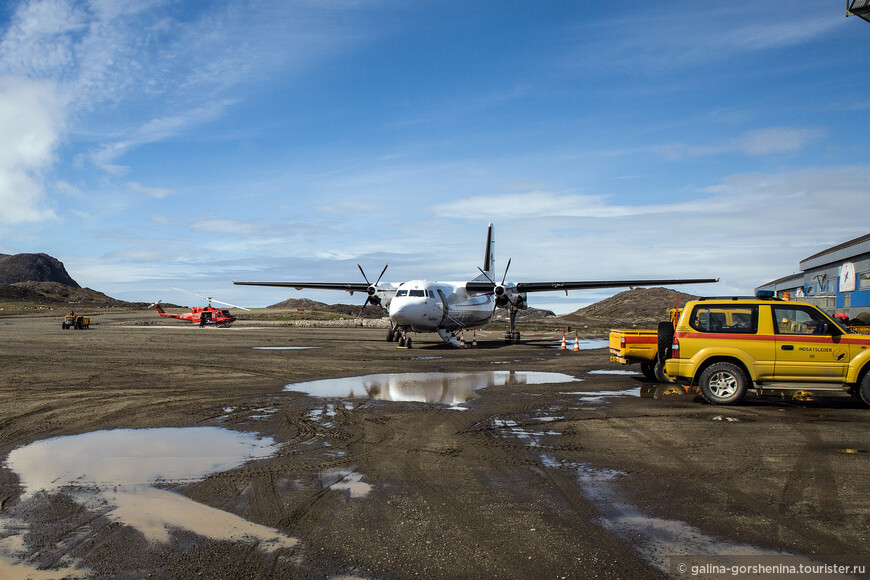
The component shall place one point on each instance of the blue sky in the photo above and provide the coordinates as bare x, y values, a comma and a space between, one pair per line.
154, 144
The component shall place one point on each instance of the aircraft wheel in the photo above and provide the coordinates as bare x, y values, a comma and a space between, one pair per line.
408, 342
401, 341
390, 335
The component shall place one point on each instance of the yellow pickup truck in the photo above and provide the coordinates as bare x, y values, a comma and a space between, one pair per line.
725, 346
629, 346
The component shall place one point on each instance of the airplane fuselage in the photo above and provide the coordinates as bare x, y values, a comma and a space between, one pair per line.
424, 306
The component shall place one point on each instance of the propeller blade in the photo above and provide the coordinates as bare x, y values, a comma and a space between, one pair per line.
364, 275
382, 273
366, 303
487, 277
506, 268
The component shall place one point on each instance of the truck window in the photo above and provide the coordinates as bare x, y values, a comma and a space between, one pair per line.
797, 320
725, 318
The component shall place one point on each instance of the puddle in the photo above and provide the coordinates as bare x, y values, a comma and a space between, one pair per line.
446, 388
657, 539
348, 480
613, 372
116, 474
583, 343
598, 396
284, 347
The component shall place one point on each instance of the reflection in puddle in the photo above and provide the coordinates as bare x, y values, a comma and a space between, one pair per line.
613, 372
116, 473
349, 480
447, 388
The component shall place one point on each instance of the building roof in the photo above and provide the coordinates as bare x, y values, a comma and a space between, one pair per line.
816, 259
798, 278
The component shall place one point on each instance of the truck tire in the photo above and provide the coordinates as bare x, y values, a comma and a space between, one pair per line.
661, 375
723, 383
648, 370
863, 389
665, 338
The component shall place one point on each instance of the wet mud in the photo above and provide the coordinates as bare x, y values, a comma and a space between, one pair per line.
280, 452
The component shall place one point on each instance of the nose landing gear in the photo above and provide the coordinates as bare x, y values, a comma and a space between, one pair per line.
399, 335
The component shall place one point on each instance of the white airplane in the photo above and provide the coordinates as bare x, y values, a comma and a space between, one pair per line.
449, 307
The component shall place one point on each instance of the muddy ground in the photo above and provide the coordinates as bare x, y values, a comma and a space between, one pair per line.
521, 481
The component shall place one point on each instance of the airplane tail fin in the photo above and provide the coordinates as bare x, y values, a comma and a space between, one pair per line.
489, 256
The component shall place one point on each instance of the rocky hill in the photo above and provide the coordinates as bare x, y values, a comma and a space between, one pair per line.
637, 308
33, 268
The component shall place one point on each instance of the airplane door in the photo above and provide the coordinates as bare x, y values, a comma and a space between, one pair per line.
803, 351
444, 308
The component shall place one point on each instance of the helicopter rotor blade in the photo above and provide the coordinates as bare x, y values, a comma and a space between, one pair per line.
228, 304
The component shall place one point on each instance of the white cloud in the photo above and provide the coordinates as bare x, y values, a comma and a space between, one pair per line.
769, 141
30, 122
153, 192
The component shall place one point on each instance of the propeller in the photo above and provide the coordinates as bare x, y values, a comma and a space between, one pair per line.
155, 304
210, 299
372, 290
497, 289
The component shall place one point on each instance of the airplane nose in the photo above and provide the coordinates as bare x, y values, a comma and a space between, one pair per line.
418, 314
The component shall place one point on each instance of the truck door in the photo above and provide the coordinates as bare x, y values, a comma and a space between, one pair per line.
807, 348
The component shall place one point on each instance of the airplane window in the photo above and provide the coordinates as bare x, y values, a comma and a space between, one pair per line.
417, 293
402, 293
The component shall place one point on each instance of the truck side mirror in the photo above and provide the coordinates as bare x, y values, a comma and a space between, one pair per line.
832, 329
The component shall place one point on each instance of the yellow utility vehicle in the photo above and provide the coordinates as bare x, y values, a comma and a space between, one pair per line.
725, 346
629, 346
74, 321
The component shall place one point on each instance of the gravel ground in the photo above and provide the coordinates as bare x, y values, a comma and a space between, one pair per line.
493, 466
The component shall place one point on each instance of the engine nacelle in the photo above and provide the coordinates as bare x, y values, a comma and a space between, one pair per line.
373, 296
507, 295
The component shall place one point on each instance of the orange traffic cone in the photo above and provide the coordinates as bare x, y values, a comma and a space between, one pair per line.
563, 343
474, 340
462, 341
576, 344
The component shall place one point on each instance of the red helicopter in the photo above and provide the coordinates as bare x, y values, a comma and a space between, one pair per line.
203, 315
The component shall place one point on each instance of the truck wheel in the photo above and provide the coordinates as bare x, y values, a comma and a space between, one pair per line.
723, 383
863, 390
660, 374
648, 370
665, 339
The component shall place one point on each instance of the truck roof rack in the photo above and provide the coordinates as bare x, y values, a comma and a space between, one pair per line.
773, 298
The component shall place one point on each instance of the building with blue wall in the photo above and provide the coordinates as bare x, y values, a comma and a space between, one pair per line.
836, 279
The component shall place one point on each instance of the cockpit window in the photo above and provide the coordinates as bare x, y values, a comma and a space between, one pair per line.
402, 293
418, 293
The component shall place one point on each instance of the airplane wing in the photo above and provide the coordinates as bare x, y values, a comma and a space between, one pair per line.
487, 286
346, 286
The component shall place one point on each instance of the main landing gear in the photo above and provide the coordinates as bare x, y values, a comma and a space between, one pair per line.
512, 335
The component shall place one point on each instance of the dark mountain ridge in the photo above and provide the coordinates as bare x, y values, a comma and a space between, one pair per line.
17, 268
